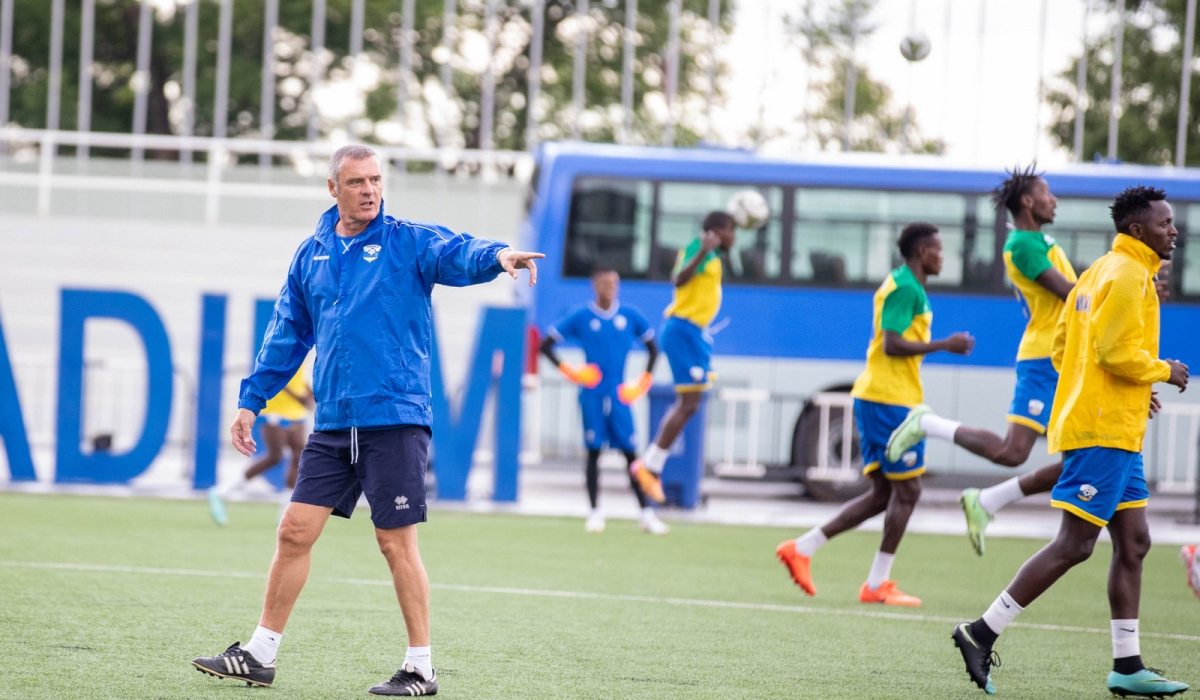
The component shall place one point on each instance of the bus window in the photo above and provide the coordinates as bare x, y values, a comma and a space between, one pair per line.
609, 227
757, 255
1084, 229
1185, 261
848, 237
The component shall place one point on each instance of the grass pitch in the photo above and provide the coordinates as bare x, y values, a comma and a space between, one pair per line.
533, 607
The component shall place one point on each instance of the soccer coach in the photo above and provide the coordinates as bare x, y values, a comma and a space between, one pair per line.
359, 291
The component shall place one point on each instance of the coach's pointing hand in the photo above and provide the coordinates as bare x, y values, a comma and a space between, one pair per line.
242, 431
513, 260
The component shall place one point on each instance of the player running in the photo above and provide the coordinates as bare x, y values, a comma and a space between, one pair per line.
1106, 349
283, 422
1042, 277
685, 340
1191, 567
606, 331
885, 391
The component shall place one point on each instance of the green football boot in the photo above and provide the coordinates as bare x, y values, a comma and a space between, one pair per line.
907, 434
216, 507
977, 518
1146, 683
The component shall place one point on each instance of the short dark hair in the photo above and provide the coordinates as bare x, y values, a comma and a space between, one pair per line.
1019, 183
912, 235
1129, 206
716, 220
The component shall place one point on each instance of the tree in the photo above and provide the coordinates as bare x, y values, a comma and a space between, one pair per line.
359, 99
828, 41
1150, 71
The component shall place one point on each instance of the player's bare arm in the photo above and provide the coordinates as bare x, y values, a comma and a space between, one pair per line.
709, 242
896, 345
513, 260
1054, 281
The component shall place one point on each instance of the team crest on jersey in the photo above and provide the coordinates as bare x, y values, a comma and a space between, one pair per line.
619, 322
595, 324
1036, 407
909, 458
371, 252
1087, 492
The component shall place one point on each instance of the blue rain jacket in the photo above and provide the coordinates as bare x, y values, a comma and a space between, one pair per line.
370, 318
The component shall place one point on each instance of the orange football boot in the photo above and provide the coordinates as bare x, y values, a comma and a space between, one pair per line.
797, 565
1188, 554
887, 594
649, 482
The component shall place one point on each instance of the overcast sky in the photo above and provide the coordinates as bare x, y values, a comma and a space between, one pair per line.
981, 126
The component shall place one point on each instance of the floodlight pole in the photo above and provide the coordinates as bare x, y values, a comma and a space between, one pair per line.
449, 17
83, 112
1185, 85
267, 95
406, 58
534, 75
851, 84
714, 21
1041, 89
630, 39
6, 29
487, 100
224, 46
1114, 100
673, 10
191, 26
357, 10
1081, 87
54, 89
578, 94
141, 93
314, 79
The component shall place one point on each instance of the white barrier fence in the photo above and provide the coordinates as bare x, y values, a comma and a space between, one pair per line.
1177, 454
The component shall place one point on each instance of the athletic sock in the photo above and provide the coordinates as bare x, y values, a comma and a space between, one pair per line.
808, 543
1003, 611
654, 458
881, 568
938, 427
263, 645
420, 659
996, 497
1126, 647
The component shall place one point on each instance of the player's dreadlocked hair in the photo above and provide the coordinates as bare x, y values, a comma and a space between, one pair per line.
1008, 194
1132, 203
912, 235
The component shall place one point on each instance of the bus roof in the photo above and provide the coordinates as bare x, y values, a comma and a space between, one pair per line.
850, 170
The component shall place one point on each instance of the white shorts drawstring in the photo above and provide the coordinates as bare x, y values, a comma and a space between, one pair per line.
353, 445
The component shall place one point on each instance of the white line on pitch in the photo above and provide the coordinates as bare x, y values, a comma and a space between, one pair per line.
583, 595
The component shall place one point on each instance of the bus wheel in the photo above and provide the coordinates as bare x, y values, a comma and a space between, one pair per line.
805, 449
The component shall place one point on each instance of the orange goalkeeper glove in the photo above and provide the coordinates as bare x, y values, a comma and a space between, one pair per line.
587, 376
630, 392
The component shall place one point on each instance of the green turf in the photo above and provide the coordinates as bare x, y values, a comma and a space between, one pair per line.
104, 634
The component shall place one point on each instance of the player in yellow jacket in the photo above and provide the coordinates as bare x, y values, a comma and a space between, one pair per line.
284, 424
1105, 349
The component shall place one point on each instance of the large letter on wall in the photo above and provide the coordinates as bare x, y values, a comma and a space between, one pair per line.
12, 423
499, 353
72, 465
208, 391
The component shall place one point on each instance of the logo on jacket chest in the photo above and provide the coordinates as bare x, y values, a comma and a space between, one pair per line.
371, 252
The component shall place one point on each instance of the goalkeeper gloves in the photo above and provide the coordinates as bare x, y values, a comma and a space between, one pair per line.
630, 392
584, 375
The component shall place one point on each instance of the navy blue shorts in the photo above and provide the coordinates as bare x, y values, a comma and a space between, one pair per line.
389, 468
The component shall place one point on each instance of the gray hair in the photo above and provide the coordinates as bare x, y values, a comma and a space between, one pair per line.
354, 151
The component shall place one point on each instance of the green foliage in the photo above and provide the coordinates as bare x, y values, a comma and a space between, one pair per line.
99, 633
431, 118
1150, 73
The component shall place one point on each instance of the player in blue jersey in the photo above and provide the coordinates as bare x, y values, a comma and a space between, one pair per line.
607, 332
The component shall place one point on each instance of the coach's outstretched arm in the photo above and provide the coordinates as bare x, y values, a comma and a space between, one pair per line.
287, 341
459, 259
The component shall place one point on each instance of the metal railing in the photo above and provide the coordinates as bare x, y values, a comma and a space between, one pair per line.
1174, 470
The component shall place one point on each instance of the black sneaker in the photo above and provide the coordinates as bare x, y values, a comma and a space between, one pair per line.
979, 659
238, 664
407, 682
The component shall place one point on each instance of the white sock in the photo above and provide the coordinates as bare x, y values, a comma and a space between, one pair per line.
420, 659
938, 427
648, 513
996, 497
1125, 639
594, 512
263, 645
808, 543
654, 458
1003, 611
881, 568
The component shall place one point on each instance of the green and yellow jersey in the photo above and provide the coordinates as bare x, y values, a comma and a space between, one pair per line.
284, 405
1028, 254
699, 300
901, 307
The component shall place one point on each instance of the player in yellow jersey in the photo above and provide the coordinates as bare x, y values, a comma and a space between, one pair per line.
883, 394
1105, 347
283, 422
685, 340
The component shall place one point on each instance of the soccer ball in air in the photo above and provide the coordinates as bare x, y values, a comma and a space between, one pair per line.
915, 46
749, 209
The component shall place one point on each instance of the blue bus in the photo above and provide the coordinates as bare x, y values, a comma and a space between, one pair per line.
796, 313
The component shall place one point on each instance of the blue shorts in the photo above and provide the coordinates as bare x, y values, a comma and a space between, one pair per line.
277, 421
1098, 481
389, 468
606, 421
876, 421
1034, 394
689, 352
